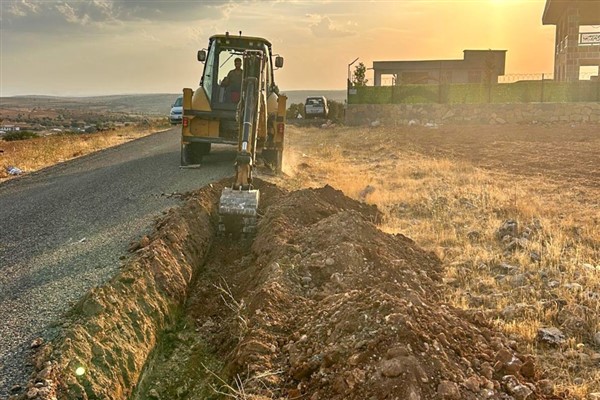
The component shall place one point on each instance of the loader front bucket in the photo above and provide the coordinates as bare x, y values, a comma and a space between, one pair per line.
238, 211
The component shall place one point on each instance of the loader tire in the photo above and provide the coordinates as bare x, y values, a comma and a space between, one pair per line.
273, 158
279, 161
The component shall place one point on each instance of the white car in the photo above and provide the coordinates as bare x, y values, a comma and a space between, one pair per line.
316, 107
176, 116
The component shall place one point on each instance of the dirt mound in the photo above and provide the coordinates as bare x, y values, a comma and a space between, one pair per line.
321, 305
326, 306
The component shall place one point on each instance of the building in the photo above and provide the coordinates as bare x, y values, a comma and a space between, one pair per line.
577, 42
477, 66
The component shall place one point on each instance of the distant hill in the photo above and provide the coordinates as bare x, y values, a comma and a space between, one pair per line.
146, 104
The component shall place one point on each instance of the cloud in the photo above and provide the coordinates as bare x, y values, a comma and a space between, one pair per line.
323, 26
55, 17
19, 8
178, 10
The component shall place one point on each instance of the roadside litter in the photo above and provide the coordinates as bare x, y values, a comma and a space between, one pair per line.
190, 166
327, 125
13, 170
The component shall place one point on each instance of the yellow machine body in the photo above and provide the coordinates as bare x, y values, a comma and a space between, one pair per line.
211, 112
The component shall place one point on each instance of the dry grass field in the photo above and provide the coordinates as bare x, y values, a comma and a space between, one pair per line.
34, 154
451, 189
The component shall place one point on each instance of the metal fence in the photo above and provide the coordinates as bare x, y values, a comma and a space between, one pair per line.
512, 78
584, 76
513, 89
387, 80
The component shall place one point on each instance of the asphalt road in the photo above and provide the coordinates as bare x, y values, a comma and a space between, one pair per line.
63, 229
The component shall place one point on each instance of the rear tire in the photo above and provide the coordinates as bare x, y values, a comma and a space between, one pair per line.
203, 148
193, 152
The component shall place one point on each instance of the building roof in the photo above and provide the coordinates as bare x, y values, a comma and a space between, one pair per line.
472, 59
589, 11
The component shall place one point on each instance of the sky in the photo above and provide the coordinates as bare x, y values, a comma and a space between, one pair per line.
102, 47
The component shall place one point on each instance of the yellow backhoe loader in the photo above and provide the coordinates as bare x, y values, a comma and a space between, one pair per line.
237, 103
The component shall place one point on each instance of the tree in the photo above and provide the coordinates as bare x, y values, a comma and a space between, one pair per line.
358, 77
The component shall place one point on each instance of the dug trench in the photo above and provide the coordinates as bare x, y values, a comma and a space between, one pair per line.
321, 304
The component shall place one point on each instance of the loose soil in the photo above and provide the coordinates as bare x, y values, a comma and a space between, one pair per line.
323, 305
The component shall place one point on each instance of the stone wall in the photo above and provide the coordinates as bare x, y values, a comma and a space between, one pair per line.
457, 114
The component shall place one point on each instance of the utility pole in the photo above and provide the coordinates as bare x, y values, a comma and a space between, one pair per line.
349, 84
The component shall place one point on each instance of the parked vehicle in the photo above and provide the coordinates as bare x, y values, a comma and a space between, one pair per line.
316, 107
176, 111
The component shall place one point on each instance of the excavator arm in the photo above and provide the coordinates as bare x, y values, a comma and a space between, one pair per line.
238, 205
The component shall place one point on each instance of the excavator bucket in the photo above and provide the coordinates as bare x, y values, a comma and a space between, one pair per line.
239, 202
238, 211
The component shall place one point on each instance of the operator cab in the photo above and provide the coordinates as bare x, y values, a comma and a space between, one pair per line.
220, 60
212, 113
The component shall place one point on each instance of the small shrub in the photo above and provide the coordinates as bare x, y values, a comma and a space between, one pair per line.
336, 111
20, 135
294, 110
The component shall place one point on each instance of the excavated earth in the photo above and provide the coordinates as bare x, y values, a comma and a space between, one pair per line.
321, 304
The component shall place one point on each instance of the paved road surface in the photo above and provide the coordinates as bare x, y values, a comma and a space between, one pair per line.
62, 231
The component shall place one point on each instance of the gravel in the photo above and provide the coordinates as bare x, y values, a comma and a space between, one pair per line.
63, 230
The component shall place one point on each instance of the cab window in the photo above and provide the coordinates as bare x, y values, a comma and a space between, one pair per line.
207, 78
226, 92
